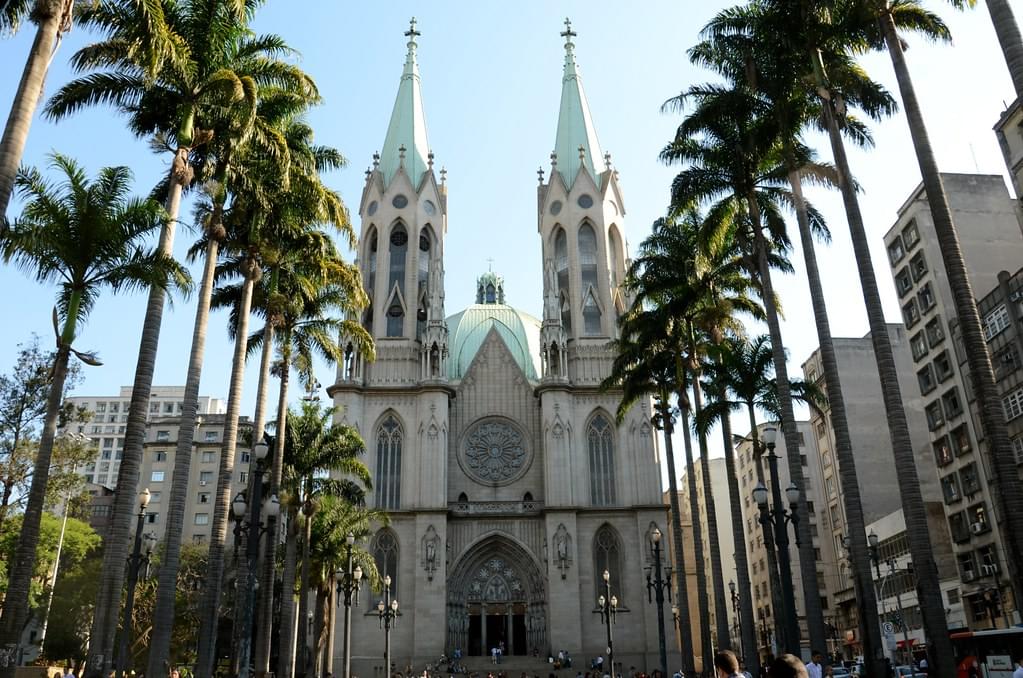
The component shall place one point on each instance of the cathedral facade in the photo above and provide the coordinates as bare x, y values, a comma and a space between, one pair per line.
510, 485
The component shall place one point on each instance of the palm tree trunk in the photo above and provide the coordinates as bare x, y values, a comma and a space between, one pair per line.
716, 575
243, 630
264, 636
1009, 497
286, 654
328, 651
863, 583
747, 625
15, 613
702, 603
209, 612
116, 541
166, 592
685, 629
1009, 38
302, 644
48, 15
807, 560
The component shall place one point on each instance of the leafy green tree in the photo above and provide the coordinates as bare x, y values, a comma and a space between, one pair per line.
88, 238
74, 597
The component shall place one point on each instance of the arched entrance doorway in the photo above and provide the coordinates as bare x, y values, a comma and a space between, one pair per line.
496, 595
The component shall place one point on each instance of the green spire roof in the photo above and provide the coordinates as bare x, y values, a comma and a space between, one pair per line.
408, 123
575, 127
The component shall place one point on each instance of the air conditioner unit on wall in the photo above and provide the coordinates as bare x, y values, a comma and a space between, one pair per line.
989, 570
978, 528
203, 482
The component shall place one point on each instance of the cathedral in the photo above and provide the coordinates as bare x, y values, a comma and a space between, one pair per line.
510, 485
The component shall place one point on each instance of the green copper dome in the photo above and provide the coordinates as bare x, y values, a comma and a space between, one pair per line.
468, 329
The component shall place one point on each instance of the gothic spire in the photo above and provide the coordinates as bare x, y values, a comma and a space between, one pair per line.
576, 136
406, 143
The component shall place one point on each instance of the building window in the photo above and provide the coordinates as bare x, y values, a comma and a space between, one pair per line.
925, 377
958, 528
942, 366
600, 441
207, 456
935, 332
243, 476
588, 278
829, 486
926, 298
969, 480
895, 251
156, 477
996, 321
205, 477
385, 553
918, 344
1005, 361
388, 477
987, 557
198, 538
953, 596
961, 440
204, 497
398, 252
977, 515
953, 405
910, 313
152, 518
942, 451
910, 235
903, 282
162, 436
950, 488
1013, 404
160, 456
918, 265
202, 518
1017, 447
210, 436
935, 418
607, 557
154, 497
245, 458
564, 293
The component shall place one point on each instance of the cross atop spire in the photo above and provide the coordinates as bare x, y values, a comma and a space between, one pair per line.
568, 34
406, 143
575, 127
412, 32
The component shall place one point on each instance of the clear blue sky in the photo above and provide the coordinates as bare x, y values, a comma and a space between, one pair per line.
491, 81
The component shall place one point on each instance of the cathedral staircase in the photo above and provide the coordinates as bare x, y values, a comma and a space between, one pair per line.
514, 667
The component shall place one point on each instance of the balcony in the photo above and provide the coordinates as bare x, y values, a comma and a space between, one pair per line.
495, 508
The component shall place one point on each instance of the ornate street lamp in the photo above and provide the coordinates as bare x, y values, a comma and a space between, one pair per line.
736, 627
775, 522
655, 587
608, 605
248, 581
140, 555
348, 584
387, 611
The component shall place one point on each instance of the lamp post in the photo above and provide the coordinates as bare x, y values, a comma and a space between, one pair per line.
735, 615
775, 521
348, 582
655, 587
608, 605
140, 555
248, 578
387, 611
875, 555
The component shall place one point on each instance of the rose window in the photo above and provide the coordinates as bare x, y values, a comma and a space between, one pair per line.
494, 452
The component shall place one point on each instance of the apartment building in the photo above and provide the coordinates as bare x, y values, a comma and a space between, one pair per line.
1009, 130
157, 470
726, 545
109, 415
989, 233
820, 522
875, 463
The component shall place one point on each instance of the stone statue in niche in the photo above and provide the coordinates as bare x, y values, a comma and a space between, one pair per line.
431, 544
562, 549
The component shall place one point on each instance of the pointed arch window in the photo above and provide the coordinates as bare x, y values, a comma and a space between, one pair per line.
607, 555
385, 554
371, 278
388, 477
600, 443
616, 256
561, 265
588, 278
398, 253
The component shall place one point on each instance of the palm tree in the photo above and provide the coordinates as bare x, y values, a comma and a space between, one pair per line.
748, 182
314, 447
170, 77
1009, 38
911, 16
335, 519
775, 75
88, 237
231, 142
644, 366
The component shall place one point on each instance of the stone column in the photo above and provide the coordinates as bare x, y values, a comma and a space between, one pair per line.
511, 629
483, 629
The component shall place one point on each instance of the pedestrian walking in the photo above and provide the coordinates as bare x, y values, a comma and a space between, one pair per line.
726, 664
787, 666
814, 668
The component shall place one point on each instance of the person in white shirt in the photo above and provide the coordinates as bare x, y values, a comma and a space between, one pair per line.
1018, 673
814, 668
